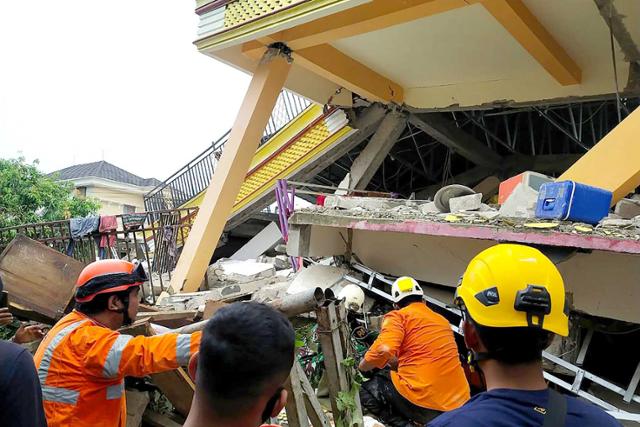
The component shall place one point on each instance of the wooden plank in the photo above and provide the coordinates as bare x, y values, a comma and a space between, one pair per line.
314, 410
329, 319
296, 412
39, 278
171, 319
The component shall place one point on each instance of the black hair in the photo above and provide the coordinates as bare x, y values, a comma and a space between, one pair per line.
514, 346
100, 302
409, 300
245, 348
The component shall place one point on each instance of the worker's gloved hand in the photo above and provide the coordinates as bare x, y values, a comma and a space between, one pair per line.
28, 333
5, 317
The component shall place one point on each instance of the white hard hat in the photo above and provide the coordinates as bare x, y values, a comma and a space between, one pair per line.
353, 297
404, 287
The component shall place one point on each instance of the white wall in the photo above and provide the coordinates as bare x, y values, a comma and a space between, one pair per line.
113, 200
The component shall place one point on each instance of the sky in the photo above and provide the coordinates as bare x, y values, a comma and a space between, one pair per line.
121, 81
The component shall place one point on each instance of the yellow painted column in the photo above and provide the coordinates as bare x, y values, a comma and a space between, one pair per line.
259, 101
613, 163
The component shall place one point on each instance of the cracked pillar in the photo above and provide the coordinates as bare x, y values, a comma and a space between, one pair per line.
259, 101
369, 160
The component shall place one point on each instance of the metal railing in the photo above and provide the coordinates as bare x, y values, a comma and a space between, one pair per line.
193, 178
153, 238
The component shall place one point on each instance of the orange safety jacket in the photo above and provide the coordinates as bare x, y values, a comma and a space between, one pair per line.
82, 365
429, 373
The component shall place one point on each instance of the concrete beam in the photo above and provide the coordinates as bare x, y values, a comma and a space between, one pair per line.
371, 16
370, 159
366, 123
447, 133
523, 25
258, 103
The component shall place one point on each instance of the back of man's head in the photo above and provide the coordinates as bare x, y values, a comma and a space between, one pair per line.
246, 352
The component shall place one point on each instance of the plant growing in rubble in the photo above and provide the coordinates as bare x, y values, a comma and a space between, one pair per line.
27, 195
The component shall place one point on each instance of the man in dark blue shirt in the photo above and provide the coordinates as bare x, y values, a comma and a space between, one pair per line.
20, 392
512, 300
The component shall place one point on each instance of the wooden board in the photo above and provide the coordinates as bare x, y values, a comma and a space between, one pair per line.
38, 278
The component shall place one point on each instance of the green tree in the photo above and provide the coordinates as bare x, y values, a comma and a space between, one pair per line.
27, 195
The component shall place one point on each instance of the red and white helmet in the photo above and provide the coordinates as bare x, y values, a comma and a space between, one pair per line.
108, 276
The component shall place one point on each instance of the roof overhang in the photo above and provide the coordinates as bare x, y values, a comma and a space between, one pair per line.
93, 181
435, 54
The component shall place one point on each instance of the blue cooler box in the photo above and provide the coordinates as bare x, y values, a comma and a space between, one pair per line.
572, 201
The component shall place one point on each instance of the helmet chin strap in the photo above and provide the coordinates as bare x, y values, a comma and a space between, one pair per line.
126, 319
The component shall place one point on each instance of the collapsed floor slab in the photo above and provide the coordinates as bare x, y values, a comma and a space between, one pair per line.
601, 273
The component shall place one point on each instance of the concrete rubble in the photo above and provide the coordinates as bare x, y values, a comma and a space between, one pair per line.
514, 218
521, 203
224, 272
627, 208
472, 202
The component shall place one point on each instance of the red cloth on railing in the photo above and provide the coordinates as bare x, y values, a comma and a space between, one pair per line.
108, 225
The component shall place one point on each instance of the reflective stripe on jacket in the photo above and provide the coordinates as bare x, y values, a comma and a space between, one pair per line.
82, 365
429, 371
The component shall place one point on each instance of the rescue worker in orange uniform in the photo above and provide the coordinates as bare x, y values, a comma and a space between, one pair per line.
425, 376
83, 360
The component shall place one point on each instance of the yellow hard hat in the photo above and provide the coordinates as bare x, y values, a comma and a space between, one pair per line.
514, 286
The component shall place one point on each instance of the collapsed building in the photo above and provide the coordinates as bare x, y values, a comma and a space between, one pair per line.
365, 110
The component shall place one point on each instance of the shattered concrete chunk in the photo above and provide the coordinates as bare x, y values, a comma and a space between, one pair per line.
615, 222
472, 202
369, 203
446, 193
281, 262
225, 272
429, 208
627, 208
270, 292
521, 203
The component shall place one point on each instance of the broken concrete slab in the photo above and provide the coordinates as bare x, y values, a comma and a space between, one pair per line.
472, 202
428, 208
442, 197
316, 276
627, 208
270, 292
227, 271
282, 262
521, 203
615, 222
265, 240
369, 203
